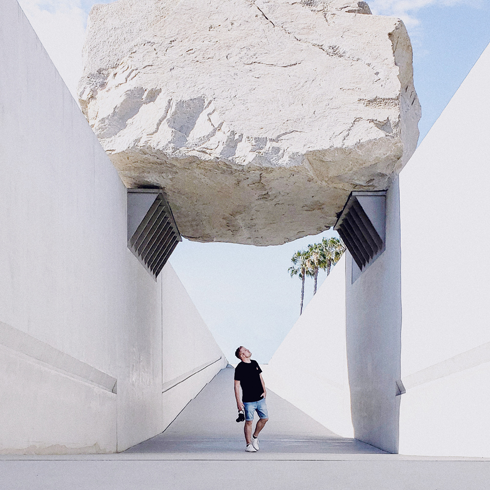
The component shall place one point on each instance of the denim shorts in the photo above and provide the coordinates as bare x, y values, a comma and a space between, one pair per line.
260, 406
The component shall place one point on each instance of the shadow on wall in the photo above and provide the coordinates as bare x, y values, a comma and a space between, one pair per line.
373, 330
341, 360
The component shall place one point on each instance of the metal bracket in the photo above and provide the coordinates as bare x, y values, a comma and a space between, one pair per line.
362, 225
400, 388
152, 231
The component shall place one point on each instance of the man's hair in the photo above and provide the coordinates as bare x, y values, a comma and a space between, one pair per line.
237, 352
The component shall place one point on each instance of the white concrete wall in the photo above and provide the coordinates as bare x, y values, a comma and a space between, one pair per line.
445, 213
373, 328
347, 347
309, 369
191, 357
77, 310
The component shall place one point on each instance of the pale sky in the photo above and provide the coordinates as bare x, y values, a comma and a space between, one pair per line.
244, 293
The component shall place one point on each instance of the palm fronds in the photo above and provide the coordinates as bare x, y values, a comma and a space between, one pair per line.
318, 256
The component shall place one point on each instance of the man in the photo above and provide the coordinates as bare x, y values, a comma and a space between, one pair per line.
248, 376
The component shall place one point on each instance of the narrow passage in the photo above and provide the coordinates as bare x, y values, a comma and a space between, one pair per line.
206, 429
204, 448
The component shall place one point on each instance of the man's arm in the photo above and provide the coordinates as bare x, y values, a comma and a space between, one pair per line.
263, 385
239, 402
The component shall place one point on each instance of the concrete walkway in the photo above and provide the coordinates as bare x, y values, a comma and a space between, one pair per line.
207, 429
204, 449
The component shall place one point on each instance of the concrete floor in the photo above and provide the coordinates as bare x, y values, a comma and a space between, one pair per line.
204, 449
207, 429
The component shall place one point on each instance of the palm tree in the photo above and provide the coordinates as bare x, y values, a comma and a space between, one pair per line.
332, 249
323, 255
302, 268
316, 260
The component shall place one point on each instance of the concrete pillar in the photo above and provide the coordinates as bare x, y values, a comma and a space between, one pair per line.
373, 330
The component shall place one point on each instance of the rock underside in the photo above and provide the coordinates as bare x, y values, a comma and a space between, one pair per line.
256, 118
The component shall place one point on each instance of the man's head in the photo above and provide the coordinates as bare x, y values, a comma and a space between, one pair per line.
243, 353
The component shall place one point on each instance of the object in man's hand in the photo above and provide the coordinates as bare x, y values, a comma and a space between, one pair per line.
241, 416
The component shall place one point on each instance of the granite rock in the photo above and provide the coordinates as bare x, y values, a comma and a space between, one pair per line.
256, 117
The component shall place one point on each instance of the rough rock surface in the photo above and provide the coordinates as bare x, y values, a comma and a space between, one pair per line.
256, 117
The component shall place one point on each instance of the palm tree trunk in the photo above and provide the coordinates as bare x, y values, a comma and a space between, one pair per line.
329, 266
302, 291
316, 281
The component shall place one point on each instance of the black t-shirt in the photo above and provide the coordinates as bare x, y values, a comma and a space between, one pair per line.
248, 373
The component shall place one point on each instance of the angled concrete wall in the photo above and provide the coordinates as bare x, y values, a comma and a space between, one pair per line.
88, 339
445, 272
341, 361
373, 328
191, 356
309, 369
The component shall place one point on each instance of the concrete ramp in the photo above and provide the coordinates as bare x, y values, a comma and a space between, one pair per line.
206, 429
203, 449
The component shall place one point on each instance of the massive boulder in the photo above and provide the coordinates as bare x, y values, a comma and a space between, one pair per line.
256, 117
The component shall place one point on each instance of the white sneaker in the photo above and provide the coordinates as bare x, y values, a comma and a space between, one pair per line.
255, 443
250, 449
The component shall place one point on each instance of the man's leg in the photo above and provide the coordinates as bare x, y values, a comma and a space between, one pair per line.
248, 431
249, 408
258, 427
263, 416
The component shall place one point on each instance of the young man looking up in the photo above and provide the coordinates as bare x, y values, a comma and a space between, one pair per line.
248, 376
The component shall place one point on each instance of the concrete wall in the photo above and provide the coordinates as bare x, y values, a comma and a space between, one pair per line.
191, 357
445, 212
80, 318
341, 361
445, 268
373, 329
310, 367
